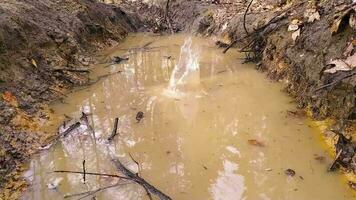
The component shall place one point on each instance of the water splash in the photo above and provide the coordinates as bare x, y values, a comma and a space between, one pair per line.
186, 74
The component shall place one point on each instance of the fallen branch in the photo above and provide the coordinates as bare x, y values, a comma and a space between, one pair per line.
332, 166
84, 171
86, 121
245, 14
92, 192
72, 70
114, 131
92, 174
136, 178
70, 129
335, 82
257, 32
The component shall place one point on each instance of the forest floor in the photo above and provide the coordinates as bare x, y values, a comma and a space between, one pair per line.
45, 50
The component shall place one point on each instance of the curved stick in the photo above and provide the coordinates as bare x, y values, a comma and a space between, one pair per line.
248, 7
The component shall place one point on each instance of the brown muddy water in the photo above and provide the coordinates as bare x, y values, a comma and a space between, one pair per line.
212, 129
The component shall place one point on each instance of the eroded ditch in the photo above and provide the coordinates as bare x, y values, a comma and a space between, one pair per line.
218, 130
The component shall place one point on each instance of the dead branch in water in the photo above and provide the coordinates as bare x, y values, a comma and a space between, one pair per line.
114, 131
92, 192
70, 129
332, 166
86, 121
84, 171
92, 174
136, 178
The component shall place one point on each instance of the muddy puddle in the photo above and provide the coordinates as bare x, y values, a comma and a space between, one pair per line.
212, 128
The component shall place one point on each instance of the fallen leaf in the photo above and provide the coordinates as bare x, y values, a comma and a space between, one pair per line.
295, 35
293, 27
312, 15
351, 61
352, 21
256, 143
33, 62
342, 65
10, 98
337, 21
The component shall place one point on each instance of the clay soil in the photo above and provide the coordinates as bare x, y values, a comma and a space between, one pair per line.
45, 49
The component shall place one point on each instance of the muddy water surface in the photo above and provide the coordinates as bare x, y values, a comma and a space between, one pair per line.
212, 129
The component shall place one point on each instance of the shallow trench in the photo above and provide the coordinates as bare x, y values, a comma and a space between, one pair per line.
212, 129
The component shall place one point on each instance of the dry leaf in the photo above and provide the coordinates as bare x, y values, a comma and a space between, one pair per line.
337, 21
294, 25
351, 61
256, 143
33, 62
10, 98
342, 65
352, 21
295, 35
312, 15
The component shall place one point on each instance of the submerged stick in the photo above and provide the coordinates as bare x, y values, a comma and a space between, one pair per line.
84, 171
332, 166
86, 121
92, 174
92, 192
114, 131
136, 178
70, 129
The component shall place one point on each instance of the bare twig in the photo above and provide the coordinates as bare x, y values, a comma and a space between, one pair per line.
138, 164
114, 131
245, 14
335, 82
84, 171
92, 192
279, 16
86, 121
134, 177
72, 70
92, 174
332, 166
70, 129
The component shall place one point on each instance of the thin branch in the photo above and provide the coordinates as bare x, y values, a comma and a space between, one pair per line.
248, 7
92, 192
332, 166
335, 82
114, 131
84, 171
92, 174
134, 177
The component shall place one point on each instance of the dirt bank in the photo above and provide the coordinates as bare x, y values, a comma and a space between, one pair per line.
44, 48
